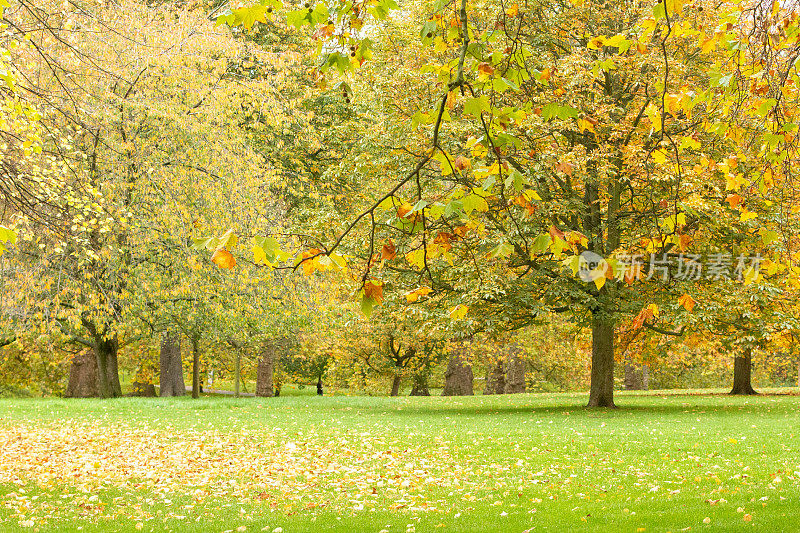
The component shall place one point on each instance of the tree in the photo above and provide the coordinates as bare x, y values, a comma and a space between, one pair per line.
593, 141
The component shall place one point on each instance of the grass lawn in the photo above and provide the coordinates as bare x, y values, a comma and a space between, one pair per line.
673, 462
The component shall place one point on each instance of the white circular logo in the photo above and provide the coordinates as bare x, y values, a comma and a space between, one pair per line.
591, 266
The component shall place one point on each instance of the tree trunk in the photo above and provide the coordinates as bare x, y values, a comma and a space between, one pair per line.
238, 373
742, 369
171, 379
420, 385
601, 393
106, 354
195, 368
319, 386
396, 385
265, 372
515, 371
634, 377
645, 377
458, 379
496, 379
83, 379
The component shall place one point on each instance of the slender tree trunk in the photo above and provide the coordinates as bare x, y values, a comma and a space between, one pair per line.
171, 381
396, 385
265, 372
601, 393
742, 370
195, 368
106, 353
319, 386
238, 372
458, 379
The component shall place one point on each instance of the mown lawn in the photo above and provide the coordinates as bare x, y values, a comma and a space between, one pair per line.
303, 463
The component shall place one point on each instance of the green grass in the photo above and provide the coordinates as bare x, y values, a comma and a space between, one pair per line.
663, 462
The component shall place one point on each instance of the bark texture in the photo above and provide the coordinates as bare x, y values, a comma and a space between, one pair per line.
83, 379
742, 373
143, 389
458, 377
601, 393
496, 379
265, 372
515, 371
396, 385
420, 386
106, 351
634, 376
171, 381
196, 368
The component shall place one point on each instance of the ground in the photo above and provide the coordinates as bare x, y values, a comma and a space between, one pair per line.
662, 462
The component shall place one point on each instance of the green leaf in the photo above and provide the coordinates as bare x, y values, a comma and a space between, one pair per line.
540, 243
475, 106
367, 304
473, 202
501, 250
554, 110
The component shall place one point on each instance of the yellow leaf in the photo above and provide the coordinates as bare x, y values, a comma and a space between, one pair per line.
708, 44
415, 295
458, 312
747, 215
585, 125
599, 281
259, 255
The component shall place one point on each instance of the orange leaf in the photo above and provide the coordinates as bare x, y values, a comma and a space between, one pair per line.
373, 289
462, 163
734, 200
486, 69
556, 233
564, 167
687, 302
389, 251
223, 259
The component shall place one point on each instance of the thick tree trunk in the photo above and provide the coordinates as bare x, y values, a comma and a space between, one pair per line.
420, 385
742, 370
83, 379
458, 379
634, 377
265, 372
195, 368
396, 385
171, 381
143, 389
319, 386
515, 371
496, 379
106, 354
601, 393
